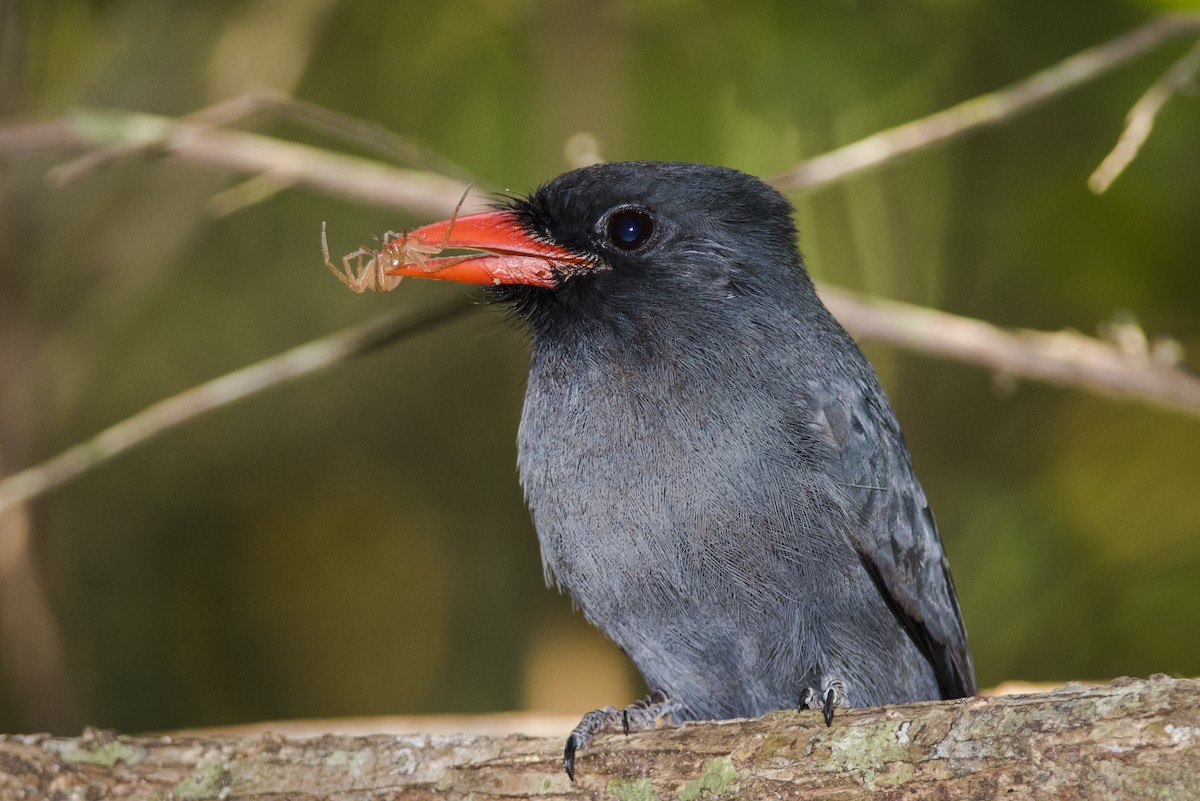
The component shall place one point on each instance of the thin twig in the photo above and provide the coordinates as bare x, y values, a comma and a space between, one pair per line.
252, 191
1064, 358
24, 138
220, 114
986, 110
372, 136
285, 367
1140, 119
355, 179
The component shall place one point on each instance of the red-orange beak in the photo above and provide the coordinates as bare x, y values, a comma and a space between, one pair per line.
511, 255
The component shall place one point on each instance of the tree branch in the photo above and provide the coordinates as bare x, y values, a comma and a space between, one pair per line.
1140, 120
356, 179
373, 136
1064, 358
986, 110
303, 360
1129, 740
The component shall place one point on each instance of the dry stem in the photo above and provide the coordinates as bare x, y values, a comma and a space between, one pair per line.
1140, 120
986, 110
303, 360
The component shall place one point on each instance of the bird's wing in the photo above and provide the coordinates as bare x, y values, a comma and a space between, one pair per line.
893, 530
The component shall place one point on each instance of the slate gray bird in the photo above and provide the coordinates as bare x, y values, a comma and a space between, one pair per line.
714, 472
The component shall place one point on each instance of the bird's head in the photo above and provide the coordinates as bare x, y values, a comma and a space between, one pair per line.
619, 237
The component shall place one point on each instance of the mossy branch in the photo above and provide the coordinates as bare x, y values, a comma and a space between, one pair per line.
1130, 740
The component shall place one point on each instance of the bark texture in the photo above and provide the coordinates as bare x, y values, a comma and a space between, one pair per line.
1131, 739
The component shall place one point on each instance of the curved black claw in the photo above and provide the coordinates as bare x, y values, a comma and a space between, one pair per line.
832, 696
827, 707
569, 757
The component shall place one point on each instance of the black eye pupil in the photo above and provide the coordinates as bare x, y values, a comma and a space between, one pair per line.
630, 228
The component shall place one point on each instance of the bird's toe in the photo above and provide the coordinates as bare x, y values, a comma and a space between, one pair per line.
832, 694
641, 714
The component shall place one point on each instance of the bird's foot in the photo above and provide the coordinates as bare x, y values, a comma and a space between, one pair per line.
639, 715
833, 694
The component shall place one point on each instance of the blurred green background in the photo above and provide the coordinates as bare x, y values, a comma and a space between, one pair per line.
356, 543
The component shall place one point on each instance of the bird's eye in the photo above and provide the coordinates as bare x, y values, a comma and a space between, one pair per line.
630, 228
